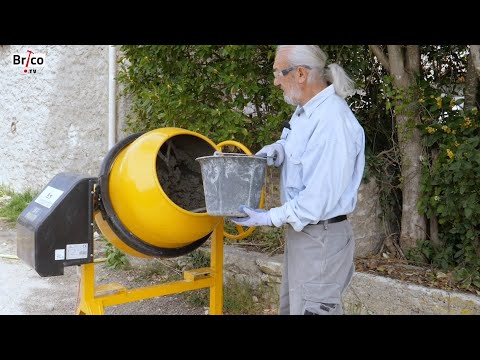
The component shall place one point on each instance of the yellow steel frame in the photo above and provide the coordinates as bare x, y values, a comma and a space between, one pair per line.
93, 300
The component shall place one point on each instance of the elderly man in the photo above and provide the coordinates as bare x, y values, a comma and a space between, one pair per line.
322, 157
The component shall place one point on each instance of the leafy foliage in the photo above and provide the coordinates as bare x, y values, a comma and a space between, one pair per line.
226, 93
222, 92
450, 185
116, 259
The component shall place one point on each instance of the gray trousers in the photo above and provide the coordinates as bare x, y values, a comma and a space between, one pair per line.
318, 267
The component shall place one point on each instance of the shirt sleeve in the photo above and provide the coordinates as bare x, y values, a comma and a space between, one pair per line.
327, 170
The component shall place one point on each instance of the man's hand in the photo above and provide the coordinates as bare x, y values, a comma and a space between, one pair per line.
274, 153
256, 217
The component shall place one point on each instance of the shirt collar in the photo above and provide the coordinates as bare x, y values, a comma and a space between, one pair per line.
314, 102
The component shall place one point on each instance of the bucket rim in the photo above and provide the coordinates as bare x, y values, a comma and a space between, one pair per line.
231, 155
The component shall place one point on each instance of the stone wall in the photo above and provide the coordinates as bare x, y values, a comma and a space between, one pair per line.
368, 294
367, 225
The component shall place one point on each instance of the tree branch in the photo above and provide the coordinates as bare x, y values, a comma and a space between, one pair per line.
382, 58
475, 54
397, 66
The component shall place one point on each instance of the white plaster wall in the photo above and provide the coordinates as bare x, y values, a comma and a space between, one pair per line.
55, 120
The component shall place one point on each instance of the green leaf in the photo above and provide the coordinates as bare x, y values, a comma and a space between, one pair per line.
468, 212
458, 253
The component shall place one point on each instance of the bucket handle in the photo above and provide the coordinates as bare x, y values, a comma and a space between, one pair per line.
242, 233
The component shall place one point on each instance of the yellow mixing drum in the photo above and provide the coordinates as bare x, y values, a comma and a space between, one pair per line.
151, 200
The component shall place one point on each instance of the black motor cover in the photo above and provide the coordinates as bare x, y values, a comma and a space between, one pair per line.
56, 228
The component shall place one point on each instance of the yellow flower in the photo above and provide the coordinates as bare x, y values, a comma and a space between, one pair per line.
467, 123
452, 103
446, 129
421, 100
450, 154
430, 129
439, 101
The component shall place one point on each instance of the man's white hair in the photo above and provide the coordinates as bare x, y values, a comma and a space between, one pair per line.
315, 58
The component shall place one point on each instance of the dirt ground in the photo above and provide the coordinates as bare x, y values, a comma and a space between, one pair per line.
424, 274
24, 292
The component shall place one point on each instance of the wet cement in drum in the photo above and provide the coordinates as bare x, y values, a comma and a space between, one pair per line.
179, 174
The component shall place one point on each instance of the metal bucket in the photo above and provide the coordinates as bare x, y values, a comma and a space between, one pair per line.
231, 180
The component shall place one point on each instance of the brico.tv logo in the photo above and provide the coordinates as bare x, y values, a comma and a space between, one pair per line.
29, 62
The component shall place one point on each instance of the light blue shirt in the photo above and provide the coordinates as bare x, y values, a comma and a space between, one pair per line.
324, 162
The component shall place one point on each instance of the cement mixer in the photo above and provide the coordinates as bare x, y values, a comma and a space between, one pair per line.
152, 201
148, 201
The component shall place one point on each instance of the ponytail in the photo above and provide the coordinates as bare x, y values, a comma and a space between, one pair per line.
343, 84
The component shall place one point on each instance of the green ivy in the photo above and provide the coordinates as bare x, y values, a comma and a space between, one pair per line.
451, 182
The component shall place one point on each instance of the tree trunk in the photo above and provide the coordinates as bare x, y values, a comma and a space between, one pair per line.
434, 238
404, 64
413, 223
475, 54
471, 83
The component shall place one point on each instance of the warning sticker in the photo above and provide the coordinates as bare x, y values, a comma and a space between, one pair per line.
77, 251
48, 196
60, 254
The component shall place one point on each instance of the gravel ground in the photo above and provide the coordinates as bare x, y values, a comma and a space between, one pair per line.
24, 292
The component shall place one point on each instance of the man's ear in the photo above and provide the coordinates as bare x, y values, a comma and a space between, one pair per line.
302, 74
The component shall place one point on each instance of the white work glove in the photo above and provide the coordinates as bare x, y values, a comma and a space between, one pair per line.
274, 154
256, 217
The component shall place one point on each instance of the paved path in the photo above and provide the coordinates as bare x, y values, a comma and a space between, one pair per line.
24, 292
